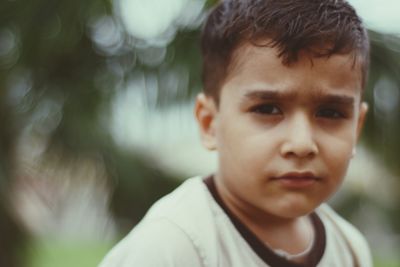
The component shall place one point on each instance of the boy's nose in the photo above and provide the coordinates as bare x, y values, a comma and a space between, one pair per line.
299, 138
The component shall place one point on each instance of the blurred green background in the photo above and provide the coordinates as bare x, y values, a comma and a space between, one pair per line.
96, 124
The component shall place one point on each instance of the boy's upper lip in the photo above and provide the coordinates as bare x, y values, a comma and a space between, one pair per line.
297, 175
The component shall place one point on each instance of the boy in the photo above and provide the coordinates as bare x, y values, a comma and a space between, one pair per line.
282, 106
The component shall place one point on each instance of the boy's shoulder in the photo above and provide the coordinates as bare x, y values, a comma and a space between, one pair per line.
156, 243
338, 228
332, 219
169, 232
189, 207
191, 195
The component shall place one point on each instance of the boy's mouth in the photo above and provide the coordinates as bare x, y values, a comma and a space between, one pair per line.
297, 179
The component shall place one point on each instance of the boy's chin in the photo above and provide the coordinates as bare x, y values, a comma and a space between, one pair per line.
294, 211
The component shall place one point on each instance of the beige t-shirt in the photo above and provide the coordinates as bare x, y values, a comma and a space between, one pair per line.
188, 228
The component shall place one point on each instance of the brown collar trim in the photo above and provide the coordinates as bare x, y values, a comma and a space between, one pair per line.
264, 252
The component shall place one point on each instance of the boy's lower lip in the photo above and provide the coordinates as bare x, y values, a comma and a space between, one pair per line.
296, 182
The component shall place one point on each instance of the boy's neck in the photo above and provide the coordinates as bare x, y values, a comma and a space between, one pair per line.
292, 235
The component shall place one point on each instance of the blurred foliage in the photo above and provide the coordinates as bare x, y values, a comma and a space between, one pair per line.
61, 64
72, 253
383, 125
137, 185
382, 129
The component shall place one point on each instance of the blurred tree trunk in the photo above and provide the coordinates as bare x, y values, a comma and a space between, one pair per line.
12, 235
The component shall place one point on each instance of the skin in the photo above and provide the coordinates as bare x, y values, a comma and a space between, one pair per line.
274, 120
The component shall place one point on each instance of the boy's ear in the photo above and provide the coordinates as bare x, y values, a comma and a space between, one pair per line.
361, 117
360, 123
206, 111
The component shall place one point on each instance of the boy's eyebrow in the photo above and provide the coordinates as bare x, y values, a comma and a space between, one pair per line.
268, 95
317, 97
336, 99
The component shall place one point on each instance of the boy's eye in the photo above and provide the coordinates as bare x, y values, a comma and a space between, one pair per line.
330, 113
267, 109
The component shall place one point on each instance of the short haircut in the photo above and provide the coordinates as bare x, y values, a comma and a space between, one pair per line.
318, 27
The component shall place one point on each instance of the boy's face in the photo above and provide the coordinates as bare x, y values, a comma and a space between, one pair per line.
284, 134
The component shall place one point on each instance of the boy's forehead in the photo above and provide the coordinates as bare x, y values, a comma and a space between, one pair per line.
251, 62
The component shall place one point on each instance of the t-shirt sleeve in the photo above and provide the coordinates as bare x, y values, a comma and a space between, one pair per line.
155, 243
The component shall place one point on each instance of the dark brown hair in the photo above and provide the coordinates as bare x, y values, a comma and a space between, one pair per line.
319, 27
